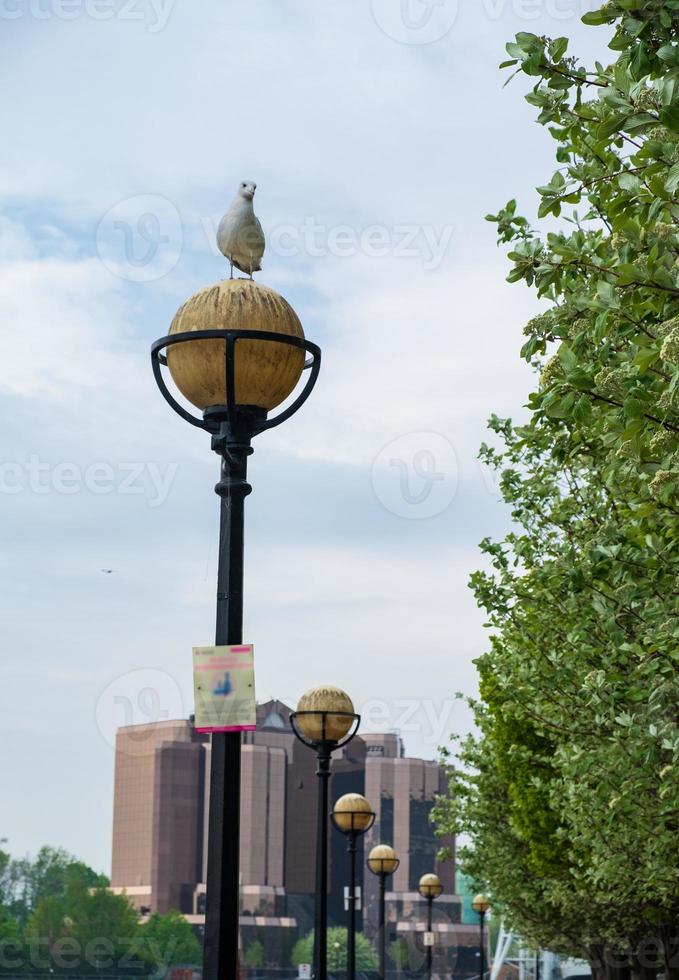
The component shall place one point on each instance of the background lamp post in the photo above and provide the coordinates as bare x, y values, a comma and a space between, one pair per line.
325, 720
481, 905
429, 887
352, 815
383, 862
235, 350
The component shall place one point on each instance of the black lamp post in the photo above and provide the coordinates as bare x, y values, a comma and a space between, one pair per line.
352, 815
481, 905
235, 376
429, 887
383, 862
325, 720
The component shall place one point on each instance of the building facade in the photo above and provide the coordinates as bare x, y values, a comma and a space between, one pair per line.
162, 776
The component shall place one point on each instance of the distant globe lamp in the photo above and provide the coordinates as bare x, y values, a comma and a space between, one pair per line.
324, 720
324, 714
382, 861
481, 905
353, 816
429, 887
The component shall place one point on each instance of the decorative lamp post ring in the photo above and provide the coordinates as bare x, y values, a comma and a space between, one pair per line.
298, 719
231, 412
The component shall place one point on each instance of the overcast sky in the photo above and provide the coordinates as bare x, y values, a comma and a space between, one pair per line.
379, 135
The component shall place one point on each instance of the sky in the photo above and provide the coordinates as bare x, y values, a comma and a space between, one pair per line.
379, 135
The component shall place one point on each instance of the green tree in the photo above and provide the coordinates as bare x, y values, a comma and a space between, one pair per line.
168, 939
397, 951
54, 870
24, 882
366, 958
5, 864
11, 947
9, 929
49, 921
88, 927
254, 954
573, 776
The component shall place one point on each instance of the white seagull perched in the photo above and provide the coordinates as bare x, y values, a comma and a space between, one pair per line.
239, 236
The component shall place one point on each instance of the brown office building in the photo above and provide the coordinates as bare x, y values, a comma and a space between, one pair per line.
162, 773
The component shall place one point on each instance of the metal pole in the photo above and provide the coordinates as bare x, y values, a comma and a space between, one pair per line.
222, 910
482, 965
321, 912
382, 953
537, 964
351, 938
430, 902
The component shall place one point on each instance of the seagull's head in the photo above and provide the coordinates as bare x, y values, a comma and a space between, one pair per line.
247, 189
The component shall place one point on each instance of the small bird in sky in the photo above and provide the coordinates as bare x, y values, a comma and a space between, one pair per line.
239, 236
108, 571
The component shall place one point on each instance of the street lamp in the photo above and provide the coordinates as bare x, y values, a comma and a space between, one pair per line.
352, 815
429, 887
325, 720
481, 905
383, 862
235, 350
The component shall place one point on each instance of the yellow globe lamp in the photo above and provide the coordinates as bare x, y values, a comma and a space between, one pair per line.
324, 714
265, 372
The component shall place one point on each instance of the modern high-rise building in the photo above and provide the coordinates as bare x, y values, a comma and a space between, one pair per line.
162, 773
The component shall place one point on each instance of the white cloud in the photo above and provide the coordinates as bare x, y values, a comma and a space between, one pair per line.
408, 349
15, 241
63, 321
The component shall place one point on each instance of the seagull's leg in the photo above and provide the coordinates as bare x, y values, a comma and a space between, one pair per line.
231, 264
251, 264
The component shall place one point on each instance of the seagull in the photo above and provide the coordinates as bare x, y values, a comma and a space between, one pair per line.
239, 236
108, 571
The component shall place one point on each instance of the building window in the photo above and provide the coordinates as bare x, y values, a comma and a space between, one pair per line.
422, 842
273, 720
386, 827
